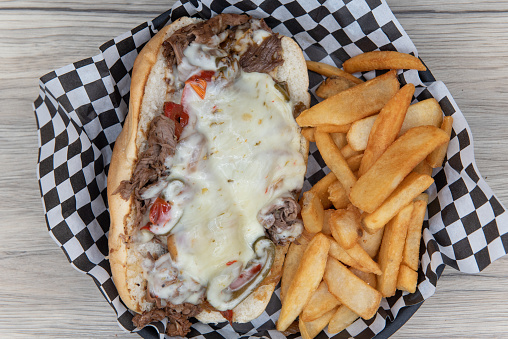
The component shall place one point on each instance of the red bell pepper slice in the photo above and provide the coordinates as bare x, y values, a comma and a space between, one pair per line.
176, 113
198, 82
146, 227
159, 212
228, 315
245, 277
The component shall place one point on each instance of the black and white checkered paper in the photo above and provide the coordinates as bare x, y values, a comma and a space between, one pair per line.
81, 108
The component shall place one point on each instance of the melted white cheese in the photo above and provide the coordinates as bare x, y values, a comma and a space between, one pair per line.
239, 154
259, 35
161, 282
202, 56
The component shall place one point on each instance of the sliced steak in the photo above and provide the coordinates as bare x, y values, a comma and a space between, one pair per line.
263, 58
218, 24
201, 32
281, 220
151, 163
141, 320
178, 315
258, 58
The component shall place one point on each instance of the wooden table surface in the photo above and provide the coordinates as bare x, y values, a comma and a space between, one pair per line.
464, 43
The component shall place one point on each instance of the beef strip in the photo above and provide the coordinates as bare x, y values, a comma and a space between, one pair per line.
140, 207
162, 132
218, 24
174, 46
264, 26
150, 166
178, 316
282, 221
141, 320
263, 58
201, 32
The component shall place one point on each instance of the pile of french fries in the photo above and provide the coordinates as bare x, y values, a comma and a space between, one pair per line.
363, 221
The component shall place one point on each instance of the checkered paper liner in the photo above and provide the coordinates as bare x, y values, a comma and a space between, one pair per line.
81, 108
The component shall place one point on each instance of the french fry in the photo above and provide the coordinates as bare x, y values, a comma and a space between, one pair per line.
339, 139
436, 158
278, 262
334, 159
337, 195
342, 318
358, 134
334, 85
351, 291
312, 212
362, 258
305, 281
346, 227
369, 278
321, 189
375, 184
326, 222
354, 162
387, 126
394, 165
293, 258
412, 186
348, 152
426, 112
371, 242
382, 60
390, 253
308, 133
307, 235
423, 168
423, 196
321, 302
411, 252
336, 251
330, 71
334, 128
309, 330
306, 144
352, 104
407, 279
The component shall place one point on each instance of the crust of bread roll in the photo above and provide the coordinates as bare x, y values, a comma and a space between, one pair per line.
127, 147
